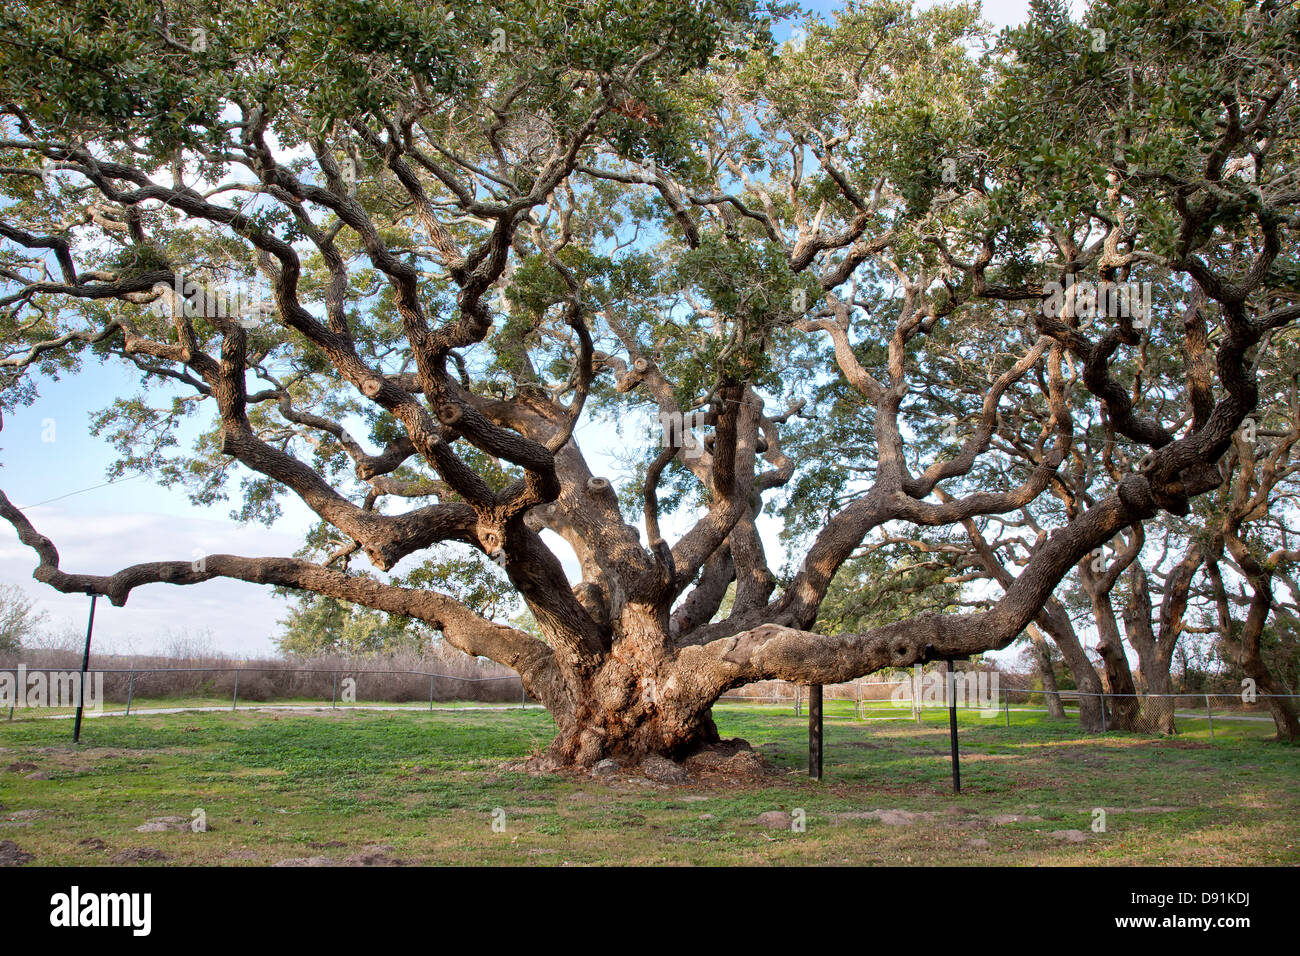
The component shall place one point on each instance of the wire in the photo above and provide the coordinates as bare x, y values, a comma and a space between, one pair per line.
81, 492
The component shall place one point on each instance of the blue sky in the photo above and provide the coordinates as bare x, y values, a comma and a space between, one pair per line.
100, 530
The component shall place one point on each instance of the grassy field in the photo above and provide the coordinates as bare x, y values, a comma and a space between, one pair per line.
425, 788
192, 702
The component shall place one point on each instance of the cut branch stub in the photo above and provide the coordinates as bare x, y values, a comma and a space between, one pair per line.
449, 414
598, 485
641, 364
371, 387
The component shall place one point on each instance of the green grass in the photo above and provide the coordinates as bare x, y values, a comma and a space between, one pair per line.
194, 702
281, 785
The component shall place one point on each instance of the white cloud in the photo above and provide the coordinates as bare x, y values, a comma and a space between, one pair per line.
240, 617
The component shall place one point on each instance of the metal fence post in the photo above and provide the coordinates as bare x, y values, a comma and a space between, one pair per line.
1104, 726
1006, 706
130, 691
431, 692
798, 700
815, 731
523, 696
85, 666
1210, 715
334, 697
234, 703
951, 689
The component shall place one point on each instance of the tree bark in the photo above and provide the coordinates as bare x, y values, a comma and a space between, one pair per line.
1124, 706
1155, 656
1046, 676
1245, 642
1056, 622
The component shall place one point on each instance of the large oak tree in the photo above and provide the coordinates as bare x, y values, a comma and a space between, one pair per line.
479, 228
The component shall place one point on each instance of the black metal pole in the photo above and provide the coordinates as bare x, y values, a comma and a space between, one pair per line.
815, 731
952, 729
85, 666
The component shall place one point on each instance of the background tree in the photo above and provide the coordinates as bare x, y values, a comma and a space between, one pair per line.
19, 619
322, 625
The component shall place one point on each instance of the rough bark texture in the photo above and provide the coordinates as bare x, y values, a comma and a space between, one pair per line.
1046, 674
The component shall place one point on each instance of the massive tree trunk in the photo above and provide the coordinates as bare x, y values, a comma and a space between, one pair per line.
635, 701
628, 715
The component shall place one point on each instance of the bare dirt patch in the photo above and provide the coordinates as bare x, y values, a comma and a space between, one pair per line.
11, 854
375, 855
774, 820
1069, 836
142, 854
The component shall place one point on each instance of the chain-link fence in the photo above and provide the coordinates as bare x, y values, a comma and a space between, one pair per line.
35, 691
968, 691
1155, 714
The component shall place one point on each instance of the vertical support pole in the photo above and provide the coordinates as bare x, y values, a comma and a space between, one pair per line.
1210, 715
234, 701
523, 696
1104, 726
130, 691
952, 729
431, 692
1006, 705
857, 694
334, 698
815, 731
916, 694
798, 700
85, 666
